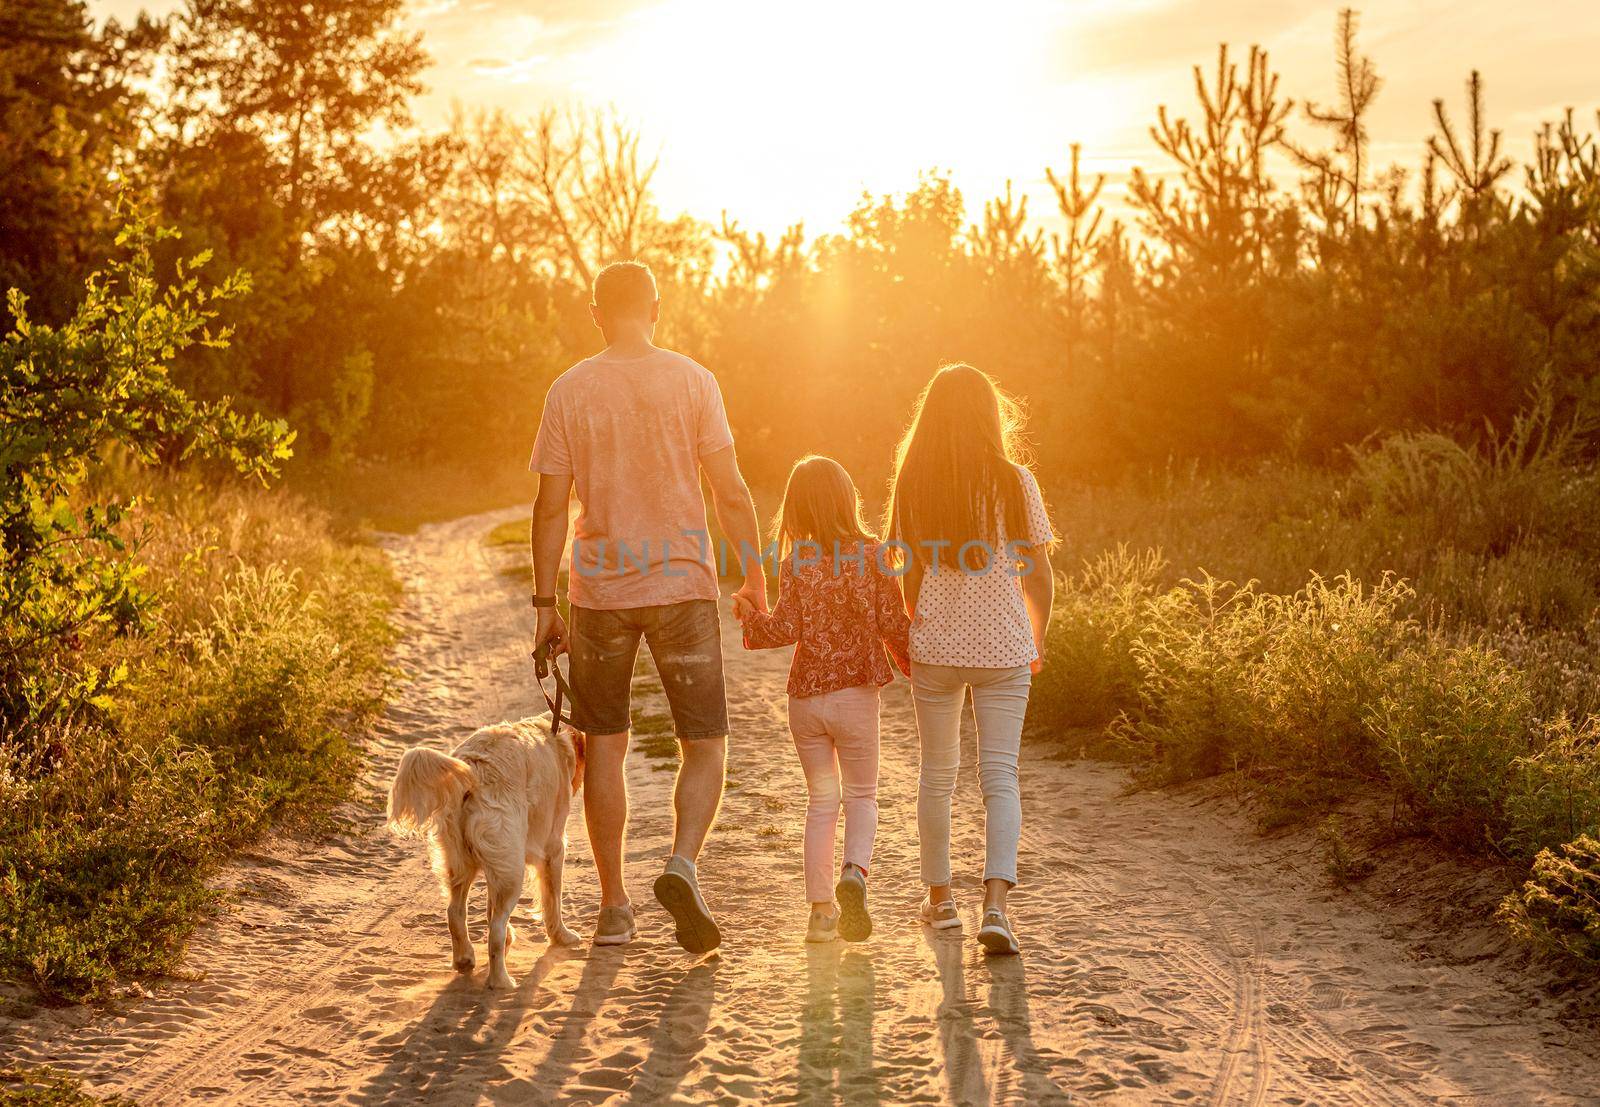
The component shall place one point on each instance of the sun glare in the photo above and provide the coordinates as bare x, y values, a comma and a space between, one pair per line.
840, 96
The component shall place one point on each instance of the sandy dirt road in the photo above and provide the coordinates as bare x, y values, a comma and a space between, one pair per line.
1169, 955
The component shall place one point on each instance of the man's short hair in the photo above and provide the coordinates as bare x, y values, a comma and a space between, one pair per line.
625, 288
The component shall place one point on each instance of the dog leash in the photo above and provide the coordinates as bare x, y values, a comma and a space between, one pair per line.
544, 665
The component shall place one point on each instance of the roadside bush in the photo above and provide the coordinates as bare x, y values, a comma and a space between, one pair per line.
1232, 678
1561, 667
104, 860
263, 656
1558, 910
1092, 675
1327, 662
1538, 587
1451, 726
1312, 693
69, 395
273, 683
1483, 497
1554, 792
1343, 863
46, 1087
179, 665
1194, 654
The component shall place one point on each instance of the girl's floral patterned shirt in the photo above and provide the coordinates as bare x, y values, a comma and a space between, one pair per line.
846, 618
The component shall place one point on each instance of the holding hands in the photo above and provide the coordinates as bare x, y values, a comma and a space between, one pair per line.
750, 598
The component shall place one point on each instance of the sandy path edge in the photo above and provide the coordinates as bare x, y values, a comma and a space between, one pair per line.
1170, 956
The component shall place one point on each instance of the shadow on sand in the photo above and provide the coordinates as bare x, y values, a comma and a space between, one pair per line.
958, 1030
836, 1049
1010, 1008
1026, 1077
679, 1036
458, 1045
462, 1048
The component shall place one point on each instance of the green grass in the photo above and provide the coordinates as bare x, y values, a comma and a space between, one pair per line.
653, 736
46, 1087
265, 661
512, 537
1343, 862
401, 497
512, 533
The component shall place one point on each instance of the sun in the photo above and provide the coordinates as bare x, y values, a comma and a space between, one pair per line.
782, 112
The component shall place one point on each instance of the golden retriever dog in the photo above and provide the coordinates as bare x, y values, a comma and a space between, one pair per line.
495, 805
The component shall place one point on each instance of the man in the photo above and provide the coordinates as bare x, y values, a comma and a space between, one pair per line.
630, 430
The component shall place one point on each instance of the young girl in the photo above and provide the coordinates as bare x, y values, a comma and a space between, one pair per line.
979, 582
837, 601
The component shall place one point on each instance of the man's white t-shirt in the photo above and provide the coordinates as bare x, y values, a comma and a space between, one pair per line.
631, 433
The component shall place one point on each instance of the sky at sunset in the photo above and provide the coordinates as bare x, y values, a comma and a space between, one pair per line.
778, 112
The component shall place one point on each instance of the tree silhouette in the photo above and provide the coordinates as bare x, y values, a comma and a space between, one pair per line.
1477, 166
1077, 251
1340, 181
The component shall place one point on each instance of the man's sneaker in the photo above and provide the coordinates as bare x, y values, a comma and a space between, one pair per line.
614, 927
824, 925
678, 891
942, 915
855, 925
995, 934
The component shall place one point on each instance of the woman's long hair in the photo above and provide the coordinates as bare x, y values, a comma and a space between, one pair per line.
820, 505
955, 477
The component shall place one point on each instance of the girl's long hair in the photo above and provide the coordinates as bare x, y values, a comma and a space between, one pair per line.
821, 505
955, 477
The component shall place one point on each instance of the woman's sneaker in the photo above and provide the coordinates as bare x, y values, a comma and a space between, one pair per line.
855, 925
824, 925
942, 915
995, 934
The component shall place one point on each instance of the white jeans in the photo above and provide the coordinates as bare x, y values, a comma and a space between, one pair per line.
999, 702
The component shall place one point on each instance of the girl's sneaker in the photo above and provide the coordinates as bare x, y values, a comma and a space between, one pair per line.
855, 925
824, 925
942, 915
995, 934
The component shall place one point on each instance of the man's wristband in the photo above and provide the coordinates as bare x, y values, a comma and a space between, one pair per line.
544, 601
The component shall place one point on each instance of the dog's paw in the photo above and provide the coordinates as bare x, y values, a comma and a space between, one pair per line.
566, 936
501, 981
466, 962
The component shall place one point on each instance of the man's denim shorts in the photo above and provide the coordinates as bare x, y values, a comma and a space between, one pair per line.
686, 642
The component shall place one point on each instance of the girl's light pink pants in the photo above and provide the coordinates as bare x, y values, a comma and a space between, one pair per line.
836, 737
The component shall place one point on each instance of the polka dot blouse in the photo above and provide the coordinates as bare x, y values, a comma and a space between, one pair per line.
978, 620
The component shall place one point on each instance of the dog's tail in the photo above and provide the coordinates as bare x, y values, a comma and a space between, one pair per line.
428, 786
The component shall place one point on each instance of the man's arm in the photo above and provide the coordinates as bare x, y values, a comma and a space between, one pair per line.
736, 514
548, 538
